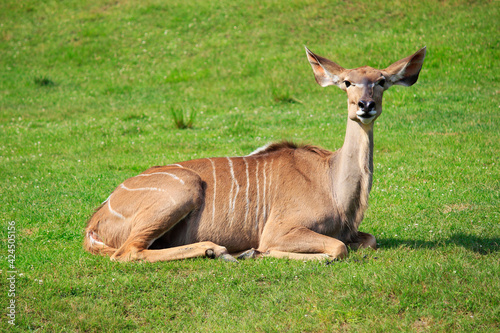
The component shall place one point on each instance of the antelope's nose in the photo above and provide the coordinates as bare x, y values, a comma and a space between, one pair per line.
366, 106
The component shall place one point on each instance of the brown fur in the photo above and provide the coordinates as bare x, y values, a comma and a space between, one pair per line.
284, 200
277, 146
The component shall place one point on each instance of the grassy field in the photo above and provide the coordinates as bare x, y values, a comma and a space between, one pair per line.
87, 91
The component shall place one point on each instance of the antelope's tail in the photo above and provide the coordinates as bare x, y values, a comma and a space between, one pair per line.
94, 245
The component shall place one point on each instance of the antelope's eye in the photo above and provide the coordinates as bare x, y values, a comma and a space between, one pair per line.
347, 84
381, 82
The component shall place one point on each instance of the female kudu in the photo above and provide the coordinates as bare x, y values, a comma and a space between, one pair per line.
282, 200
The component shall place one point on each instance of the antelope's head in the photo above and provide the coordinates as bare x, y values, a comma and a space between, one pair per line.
366, 85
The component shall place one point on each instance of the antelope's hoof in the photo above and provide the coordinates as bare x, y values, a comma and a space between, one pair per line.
210, 253
228, 257
249, 254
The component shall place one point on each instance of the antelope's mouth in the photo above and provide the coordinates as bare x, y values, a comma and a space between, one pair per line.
366, 117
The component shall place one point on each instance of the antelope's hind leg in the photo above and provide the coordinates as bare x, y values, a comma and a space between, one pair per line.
152, 204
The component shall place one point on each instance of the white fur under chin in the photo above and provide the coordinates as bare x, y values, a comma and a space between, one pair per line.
365, 120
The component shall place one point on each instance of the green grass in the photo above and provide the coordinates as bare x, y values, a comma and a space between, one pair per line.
86, 93
183, 118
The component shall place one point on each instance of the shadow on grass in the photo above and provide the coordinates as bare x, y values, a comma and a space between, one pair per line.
481, 245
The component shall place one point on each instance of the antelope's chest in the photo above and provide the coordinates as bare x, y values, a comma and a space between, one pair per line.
326, 222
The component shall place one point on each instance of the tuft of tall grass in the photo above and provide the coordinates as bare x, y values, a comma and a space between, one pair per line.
44, 81
182, 117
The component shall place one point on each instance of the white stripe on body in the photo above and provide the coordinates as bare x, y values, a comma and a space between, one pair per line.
161, 173
232, 200
177, 165
148, 189
269, 195
114, 212
260, 149
142, 188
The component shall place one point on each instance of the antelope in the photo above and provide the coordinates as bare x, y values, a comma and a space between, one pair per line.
282, 200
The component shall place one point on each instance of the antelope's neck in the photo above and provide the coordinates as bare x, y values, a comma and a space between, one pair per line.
352, 172
357, 151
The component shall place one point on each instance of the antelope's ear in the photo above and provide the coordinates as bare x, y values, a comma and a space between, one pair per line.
326, 72
405, 71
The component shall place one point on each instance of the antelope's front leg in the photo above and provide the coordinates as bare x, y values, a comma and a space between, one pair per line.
363, 240
303, 244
